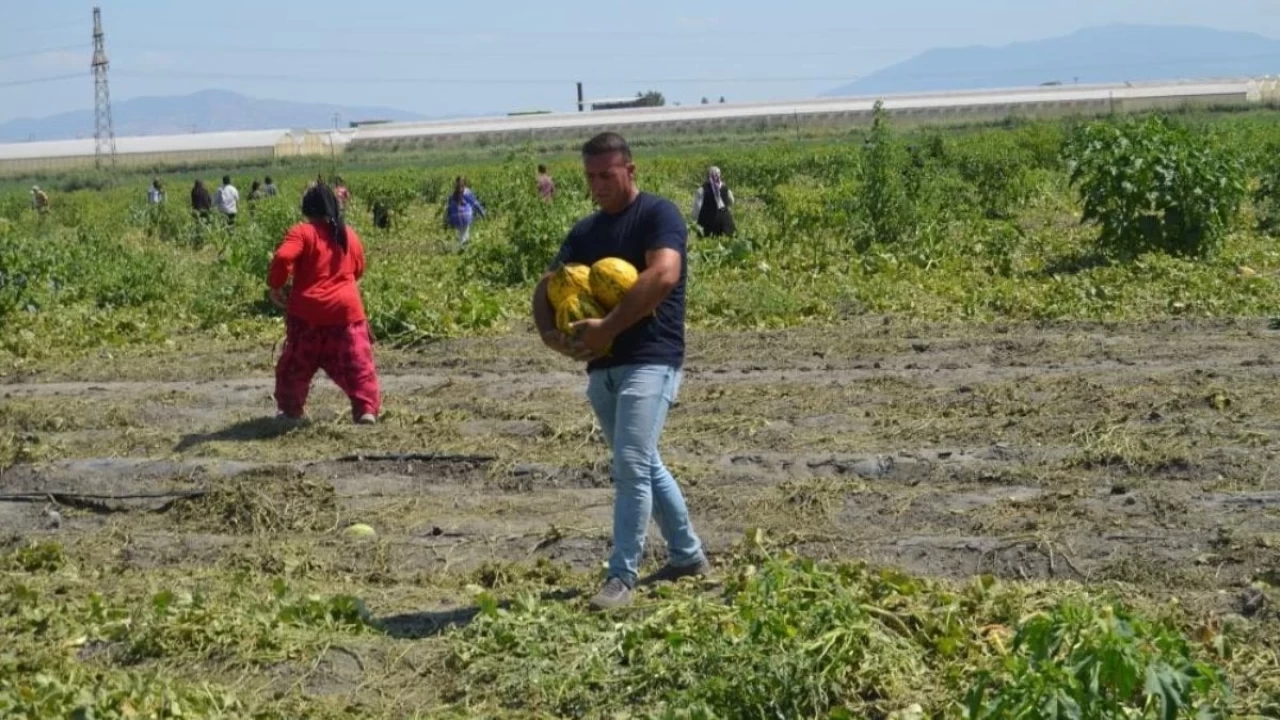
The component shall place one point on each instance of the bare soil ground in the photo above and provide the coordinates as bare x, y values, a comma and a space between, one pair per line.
1136, 453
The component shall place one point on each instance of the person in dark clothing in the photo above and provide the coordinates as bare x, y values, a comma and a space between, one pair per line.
381, 216
635, 362
201, 200
711, 206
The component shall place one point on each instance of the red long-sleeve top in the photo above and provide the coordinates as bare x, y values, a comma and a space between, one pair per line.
324, 277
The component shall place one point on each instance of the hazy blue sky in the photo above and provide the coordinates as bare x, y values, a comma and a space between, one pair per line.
502, 55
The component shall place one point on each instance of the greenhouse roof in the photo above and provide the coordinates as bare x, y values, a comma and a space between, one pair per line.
191, 142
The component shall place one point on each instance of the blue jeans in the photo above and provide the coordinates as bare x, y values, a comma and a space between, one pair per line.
631, 403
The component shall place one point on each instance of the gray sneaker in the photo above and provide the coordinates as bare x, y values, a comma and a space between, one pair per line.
614, 594
290, 421
367, 419
672, 573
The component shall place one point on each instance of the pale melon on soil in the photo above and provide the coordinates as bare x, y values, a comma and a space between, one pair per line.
360, 531
610, 279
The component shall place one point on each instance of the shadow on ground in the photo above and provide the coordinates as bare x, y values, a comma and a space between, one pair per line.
429, 624
263, 428
1076, 263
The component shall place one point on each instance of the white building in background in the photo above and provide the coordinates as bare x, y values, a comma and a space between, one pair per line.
170, 150
920, 108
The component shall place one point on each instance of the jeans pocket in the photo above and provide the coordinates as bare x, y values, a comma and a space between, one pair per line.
599, 390
671, 388
647, 381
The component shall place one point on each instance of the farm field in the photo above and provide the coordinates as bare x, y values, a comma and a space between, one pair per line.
953, 456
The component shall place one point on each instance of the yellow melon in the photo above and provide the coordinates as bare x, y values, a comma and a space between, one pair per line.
610, 279
577, 307
568, 280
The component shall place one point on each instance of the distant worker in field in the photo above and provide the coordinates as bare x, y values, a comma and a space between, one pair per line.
155, 194
711, 206
201, 201
635, 355
341, 192
256, 192
381, 215
546, 186
269, 188
461, 210
325, 324
39, 200
228, 200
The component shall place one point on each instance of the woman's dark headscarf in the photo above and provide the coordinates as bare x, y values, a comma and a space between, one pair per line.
321, 204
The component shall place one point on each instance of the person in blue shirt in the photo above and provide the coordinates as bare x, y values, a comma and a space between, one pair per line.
631, 386
462, 208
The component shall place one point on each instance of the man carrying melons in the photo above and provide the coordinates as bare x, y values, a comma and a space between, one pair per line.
634, 356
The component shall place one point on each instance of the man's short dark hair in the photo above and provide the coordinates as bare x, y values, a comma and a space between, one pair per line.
267, 179
226, 179
605, 143
542, 168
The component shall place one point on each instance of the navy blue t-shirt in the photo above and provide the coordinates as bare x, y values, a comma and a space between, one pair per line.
649, 223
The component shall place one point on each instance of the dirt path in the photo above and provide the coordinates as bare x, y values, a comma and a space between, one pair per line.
1144, 453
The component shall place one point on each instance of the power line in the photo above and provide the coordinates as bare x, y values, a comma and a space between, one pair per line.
1217, 60
34, 81
647, 55
36, 28
325, 78
522, 34
27, 53
456, 80
544, 81
663, 54
498, 55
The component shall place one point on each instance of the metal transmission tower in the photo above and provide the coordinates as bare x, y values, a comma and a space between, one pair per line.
104, 134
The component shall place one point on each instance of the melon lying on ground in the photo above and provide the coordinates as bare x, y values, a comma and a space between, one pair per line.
359, 531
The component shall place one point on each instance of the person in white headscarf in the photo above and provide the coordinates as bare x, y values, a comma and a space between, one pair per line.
39, 200
711, 205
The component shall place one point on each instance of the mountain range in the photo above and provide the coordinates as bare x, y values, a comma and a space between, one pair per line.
1111, 53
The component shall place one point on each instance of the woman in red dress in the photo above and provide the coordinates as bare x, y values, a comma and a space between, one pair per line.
326, 326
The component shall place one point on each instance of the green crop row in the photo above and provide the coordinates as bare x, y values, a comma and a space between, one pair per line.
1035, 221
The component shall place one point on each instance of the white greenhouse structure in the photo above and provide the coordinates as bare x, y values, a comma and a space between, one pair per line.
162, 150
968, 106
915, 109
